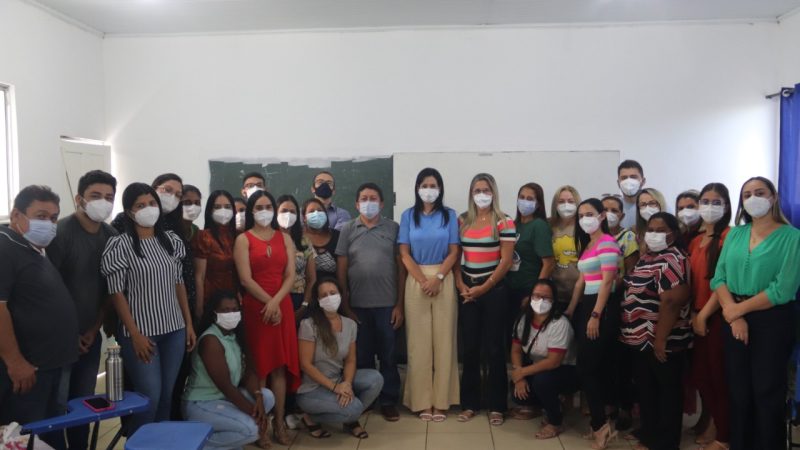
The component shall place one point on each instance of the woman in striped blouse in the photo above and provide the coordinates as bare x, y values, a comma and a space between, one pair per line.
596, 316
487, 239
143, 270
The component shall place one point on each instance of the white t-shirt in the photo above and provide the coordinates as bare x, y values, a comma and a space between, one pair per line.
557, 336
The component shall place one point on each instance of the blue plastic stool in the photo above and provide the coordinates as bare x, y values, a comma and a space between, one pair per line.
80, 414
170, 436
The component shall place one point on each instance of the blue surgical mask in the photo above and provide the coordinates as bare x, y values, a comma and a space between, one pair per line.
40, 232
369, 209
316, 219
526, 207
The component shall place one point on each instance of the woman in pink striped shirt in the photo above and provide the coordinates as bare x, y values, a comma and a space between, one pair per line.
596, 316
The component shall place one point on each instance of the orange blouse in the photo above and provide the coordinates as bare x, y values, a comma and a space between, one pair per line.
220, 267
701, 279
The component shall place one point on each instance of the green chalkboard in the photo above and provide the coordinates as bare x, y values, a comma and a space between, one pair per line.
295, 179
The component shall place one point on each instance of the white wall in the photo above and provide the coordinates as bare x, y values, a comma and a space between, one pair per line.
789, 36
687, 101
57, 72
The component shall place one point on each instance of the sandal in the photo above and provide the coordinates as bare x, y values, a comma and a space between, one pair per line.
280, 432
439, 417
315, 430
522, 413
466, 415
603, 436
425, 416
496, 418
353, 428
549, 432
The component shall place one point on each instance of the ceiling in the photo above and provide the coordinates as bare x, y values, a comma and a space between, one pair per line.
201, 16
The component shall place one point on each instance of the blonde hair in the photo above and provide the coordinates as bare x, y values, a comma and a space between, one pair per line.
641, 224
554, 217
775, 211
468, 218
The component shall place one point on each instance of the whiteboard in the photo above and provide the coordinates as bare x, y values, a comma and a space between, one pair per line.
592, 173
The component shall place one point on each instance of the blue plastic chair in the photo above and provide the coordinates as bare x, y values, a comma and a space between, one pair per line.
80, 414
170, 436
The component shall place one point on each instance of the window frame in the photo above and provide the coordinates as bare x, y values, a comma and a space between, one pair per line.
9, 149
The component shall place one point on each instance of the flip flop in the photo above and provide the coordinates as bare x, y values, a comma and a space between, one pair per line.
466, 415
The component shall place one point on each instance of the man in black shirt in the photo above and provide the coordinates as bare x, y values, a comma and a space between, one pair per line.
38, 323
76, 253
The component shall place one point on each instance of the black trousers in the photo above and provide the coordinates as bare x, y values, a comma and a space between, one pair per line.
757, 379
660, 399
545, 389
596, 370
482, 325
624, 389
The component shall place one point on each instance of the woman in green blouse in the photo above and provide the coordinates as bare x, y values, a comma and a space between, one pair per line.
757, 276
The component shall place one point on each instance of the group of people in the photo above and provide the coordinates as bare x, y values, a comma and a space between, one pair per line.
277, 308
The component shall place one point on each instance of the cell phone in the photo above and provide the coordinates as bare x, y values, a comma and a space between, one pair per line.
98, 404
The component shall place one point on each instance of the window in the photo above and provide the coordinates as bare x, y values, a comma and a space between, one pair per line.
8, 182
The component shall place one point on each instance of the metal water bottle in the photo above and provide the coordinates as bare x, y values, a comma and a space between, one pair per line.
114, 388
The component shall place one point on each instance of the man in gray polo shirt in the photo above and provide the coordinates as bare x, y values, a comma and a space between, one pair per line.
368, 269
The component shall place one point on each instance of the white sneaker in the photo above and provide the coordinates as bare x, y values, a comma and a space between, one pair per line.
293, 421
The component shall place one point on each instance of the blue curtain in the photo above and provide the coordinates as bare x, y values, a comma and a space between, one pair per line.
789, 168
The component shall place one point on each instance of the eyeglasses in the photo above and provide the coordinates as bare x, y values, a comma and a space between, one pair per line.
481, 191
707, 202
651, 203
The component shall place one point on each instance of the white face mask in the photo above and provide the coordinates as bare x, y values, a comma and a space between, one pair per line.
264, 218
191, 212
566, 210
656, 242
98, 210
757, 206
648, 212
369, 209
712, 213
240, 220
589, 224
428, 195
147, 217
330, 303
630, 186
168, 202
540, 305
222, 216
482, 200
689, 216
613, 219
526, 207
252, 190
229, 321
286, 219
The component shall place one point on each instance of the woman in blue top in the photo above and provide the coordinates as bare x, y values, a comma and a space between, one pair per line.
428, 241
222, 391
757, 277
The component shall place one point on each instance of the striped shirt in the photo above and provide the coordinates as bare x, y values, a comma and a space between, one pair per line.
148, 283
481, 252
654, 274
603, 257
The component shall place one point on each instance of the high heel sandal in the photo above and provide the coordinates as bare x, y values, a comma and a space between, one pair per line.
603, 436
315, 430
352, 427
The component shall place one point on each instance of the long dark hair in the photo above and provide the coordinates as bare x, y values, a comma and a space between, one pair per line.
581, 238
538, 192
527, 314
689, 233
249, 219
174, 220
713, 249
318, 318
438, 205
674, 225
211, 224
129, 196
296, 231
209, 315
327, 227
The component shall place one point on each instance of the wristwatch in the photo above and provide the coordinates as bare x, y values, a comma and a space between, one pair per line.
440, 276
595, 315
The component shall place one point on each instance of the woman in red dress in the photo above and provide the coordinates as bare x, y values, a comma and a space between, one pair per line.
262, 263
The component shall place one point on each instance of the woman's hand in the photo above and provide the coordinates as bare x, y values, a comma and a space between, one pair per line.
732, 312
521, 389
431, 287
143, 347
593, 328
517, 375
271, 313
191, 338
699, 324
344, 392
739, 329
660, 350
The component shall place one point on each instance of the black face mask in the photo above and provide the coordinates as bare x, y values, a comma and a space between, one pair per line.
323, 191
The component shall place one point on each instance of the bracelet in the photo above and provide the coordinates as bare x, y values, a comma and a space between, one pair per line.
333, 389
257, 394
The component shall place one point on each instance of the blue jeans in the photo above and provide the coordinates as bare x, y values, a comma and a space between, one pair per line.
155, 379
377, 337
545, 388
232, 427
322, 405
80, 382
